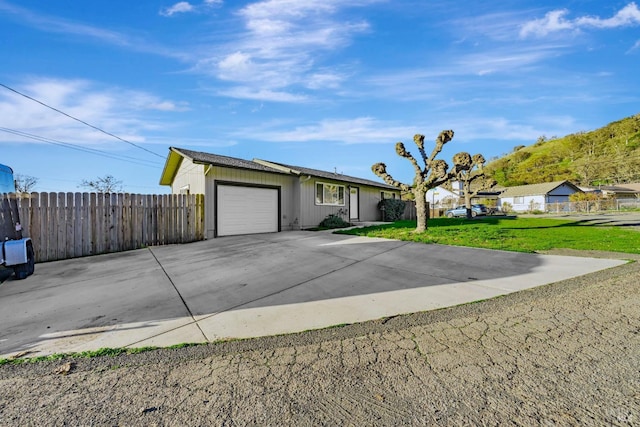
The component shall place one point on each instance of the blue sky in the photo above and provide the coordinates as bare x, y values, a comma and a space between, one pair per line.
326, 84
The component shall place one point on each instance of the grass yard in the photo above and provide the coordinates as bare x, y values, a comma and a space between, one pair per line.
511, 234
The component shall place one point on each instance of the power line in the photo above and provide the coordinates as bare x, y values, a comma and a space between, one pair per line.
81, 121
80, 148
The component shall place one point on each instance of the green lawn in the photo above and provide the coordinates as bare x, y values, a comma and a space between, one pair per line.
511, 234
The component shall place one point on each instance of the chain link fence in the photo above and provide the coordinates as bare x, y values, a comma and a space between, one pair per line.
593, 206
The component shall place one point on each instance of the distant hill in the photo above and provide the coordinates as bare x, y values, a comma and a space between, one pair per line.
609, 155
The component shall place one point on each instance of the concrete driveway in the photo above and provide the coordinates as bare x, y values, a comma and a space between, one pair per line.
250, 286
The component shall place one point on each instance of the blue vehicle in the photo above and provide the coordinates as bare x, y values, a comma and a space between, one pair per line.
462, 211
7, 184
16, 252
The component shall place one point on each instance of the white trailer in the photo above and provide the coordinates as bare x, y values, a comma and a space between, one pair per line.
16, 251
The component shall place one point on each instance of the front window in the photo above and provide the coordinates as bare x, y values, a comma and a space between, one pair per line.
518, 199
329, 194
385, 195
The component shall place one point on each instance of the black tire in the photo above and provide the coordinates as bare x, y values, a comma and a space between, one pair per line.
450, 215
473, 214
25, 270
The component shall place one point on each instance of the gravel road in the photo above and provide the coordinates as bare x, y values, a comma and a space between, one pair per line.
562, 354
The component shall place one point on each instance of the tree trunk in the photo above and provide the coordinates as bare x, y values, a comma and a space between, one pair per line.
467, 203
421, 210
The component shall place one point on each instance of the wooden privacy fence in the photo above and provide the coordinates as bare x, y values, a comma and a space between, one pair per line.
69, 225
410, 212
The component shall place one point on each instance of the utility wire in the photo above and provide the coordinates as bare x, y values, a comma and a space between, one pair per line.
79, 120
80, 148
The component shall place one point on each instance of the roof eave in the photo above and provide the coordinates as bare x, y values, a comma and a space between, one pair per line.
174, 159
277, 167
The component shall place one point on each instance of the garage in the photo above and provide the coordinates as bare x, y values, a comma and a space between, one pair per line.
246, 209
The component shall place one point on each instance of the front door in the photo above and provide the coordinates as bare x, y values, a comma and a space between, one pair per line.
353, 204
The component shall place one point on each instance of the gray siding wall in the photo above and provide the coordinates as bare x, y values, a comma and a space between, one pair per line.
369, 199
312, 214
189, 174
289, 214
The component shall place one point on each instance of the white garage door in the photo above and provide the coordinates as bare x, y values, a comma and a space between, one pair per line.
247, 210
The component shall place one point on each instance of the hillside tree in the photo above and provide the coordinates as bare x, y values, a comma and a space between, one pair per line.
434, 173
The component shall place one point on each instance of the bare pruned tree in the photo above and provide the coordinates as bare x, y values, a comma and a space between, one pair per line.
105, 184
433, 174
470, 172
25, 183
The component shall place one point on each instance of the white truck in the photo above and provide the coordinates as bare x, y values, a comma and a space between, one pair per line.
16, 252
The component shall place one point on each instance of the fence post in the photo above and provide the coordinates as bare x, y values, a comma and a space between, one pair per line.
53, 226
35, 225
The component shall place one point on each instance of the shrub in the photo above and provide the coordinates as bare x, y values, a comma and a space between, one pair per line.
392, 209
333, 221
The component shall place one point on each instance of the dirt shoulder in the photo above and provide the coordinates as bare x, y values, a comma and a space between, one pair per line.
566, 353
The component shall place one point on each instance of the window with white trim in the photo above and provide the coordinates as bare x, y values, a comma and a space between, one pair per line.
387, 195
518, 199
329, 194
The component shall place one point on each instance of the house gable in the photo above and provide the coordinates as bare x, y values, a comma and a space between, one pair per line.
537, 196
538, 189
436, 196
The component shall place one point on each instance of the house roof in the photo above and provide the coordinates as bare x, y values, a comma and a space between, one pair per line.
176, 154
618, 189
299, 170
535, 189
615, 189
444, 191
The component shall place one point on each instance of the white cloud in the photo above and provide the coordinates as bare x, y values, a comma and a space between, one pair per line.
627, 16
58, 25
236, 66
361, 130
267, 9
128, 114
85, 32
368, 130
556, 21
244, 92
501, 61
321, 80
180, 7
186, 7
498, 26
552, 21
282, 47
497, 128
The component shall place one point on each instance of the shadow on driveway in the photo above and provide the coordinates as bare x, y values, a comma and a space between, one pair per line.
247, 286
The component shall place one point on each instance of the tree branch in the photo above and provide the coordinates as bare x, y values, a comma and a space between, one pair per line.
380, 169
402, 152
419, 141
444, 137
